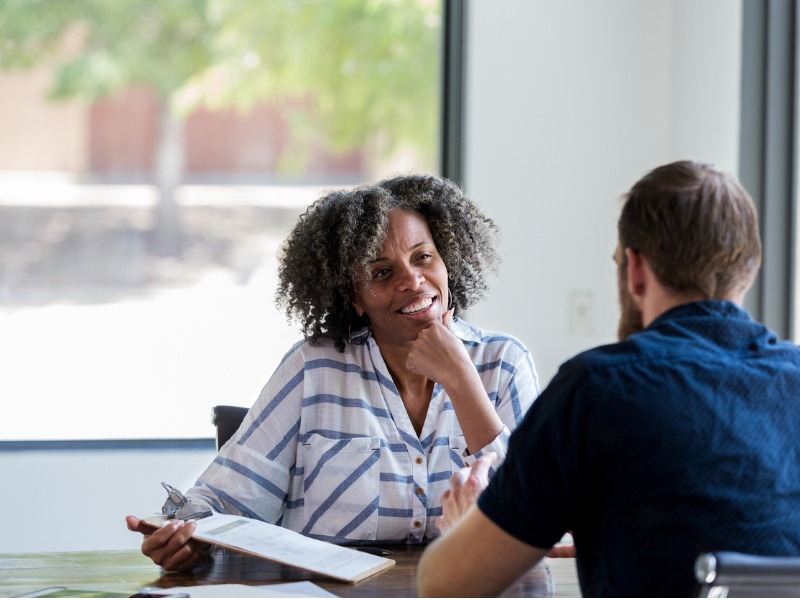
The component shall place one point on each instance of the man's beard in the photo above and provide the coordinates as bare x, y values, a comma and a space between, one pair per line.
630, 317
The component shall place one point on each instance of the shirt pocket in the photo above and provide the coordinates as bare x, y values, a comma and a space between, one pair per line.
458, 452
341, 487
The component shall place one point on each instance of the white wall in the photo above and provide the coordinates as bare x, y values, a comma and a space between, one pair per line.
78, 499
569, 102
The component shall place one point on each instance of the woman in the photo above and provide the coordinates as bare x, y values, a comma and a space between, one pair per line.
357, 433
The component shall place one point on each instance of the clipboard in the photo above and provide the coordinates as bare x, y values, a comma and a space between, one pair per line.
272, 542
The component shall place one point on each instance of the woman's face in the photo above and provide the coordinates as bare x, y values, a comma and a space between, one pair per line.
407, 284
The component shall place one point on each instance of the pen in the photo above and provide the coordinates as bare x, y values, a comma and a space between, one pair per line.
373, 550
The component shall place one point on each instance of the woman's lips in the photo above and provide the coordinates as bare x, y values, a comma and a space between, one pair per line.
417, 306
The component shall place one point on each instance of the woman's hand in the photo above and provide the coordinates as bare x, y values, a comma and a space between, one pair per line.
438, 354
562, 551
171, 546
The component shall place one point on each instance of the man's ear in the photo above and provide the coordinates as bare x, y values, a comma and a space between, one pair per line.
637, 273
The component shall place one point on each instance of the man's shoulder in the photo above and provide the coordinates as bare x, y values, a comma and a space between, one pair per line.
678, 344
598, 365
617, 354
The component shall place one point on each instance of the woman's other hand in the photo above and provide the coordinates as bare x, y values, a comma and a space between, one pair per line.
171, 546
562, 551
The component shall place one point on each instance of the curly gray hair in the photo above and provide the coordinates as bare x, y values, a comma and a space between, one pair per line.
339, 235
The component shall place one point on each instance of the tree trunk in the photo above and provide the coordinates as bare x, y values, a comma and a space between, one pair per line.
169, 170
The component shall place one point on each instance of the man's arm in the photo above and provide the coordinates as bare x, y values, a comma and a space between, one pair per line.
476, 558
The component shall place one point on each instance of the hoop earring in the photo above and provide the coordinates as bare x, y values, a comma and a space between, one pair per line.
363, 329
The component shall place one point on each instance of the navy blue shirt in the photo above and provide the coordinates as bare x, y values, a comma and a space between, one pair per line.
682, 439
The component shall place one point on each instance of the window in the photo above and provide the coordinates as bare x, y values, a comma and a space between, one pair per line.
148, 175
769, 152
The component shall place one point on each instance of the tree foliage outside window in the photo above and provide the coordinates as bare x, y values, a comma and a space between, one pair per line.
363, 71
171, 322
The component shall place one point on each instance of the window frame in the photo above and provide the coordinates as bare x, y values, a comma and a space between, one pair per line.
768, 157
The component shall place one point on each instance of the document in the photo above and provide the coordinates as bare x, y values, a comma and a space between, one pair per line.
285, 546
298, 589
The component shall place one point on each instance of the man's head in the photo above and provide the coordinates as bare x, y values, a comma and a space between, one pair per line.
698, 230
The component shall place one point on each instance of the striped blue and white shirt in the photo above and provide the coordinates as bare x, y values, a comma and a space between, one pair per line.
328, 448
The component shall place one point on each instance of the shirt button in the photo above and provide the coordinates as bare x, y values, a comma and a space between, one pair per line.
418, 460
420, 491
417, 524
466, 464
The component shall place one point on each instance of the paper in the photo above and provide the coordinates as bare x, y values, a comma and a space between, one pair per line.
300, 589
64, 592
286, 547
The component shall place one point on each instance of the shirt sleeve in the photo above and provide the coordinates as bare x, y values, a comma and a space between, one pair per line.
518, 390
251, 474
532, 495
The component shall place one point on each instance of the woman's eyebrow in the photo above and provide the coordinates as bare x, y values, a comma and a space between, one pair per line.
412, 248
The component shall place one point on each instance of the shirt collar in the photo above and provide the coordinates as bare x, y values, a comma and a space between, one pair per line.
721, 308
464, 331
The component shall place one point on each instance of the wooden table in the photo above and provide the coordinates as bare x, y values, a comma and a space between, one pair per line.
127, 571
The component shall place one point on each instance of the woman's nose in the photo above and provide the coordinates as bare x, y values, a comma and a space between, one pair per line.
410, 278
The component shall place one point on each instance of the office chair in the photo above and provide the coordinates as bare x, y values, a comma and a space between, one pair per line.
737, 575
227, 420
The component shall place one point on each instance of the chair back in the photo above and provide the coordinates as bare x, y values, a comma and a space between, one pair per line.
227, 420
737, 575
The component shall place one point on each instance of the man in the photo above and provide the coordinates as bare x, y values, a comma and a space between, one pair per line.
684, 437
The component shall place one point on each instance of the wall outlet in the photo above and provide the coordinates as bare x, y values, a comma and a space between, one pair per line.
581, 313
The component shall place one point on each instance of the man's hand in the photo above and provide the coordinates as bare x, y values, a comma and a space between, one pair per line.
465, 486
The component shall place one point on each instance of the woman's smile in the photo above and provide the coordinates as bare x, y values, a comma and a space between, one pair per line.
418, 307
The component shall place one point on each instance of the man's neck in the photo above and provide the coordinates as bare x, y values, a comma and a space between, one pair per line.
661, 300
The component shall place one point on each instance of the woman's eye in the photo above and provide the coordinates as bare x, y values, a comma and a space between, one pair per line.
425, 256
380, 274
